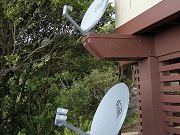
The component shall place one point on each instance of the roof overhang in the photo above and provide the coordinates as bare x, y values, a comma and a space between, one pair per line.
119, 47
161, 13
122, 45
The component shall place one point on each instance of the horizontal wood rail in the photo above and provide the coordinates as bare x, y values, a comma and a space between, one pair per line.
170, 108
171, 119
170, 98
170, 56
170, 88
169, 67
168, 78
175, 130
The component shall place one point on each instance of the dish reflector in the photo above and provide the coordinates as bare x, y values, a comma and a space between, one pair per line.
91, 17
94, 14
111, 112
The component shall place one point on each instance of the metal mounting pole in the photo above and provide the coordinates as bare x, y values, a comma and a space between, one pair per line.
65, 14
66, 124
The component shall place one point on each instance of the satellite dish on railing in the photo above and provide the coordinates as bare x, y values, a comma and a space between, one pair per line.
109, 115
91, 17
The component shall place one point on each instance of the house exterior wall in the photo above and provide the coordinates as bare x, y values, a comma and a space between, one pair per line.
128, 9
158, 77
168, 53
158, 83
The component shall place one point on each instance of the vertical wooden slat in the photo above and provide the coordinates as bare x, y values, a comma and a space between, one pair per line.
138, 96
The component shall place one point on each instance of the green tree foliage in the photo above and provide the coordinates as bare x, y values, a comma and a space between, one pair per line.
43, 65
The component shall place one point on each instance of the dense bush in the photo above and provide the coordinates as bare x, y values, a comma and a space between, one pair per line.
43, 65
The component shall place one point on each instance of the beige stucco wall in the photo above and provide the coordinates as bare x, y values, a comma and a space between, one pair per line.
128, 9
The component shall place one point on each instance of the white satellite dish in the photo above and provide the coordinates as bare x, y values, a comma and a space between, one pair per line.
111, 112
91, 17
94, 14
109, 115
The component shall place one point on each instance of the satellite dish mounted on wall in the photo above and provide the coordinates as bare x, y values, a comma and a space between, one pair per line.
91, 17
109, 115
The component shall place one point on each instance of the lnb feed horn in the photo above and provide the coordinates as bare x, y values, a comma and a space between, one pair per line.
60, 120
61, 111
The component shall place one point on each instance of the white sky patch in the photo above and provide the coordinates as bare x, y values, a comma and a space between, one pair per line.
111, 1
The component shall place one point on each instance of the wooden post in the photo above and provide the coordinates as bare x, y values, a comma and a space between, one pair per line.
149, 95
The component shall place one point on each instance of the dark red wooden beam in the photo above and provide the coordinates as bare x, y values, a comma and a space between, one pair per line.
119, 47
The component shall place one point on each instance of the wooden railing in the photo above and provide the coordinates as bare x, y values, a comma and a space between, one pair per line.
170, 93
